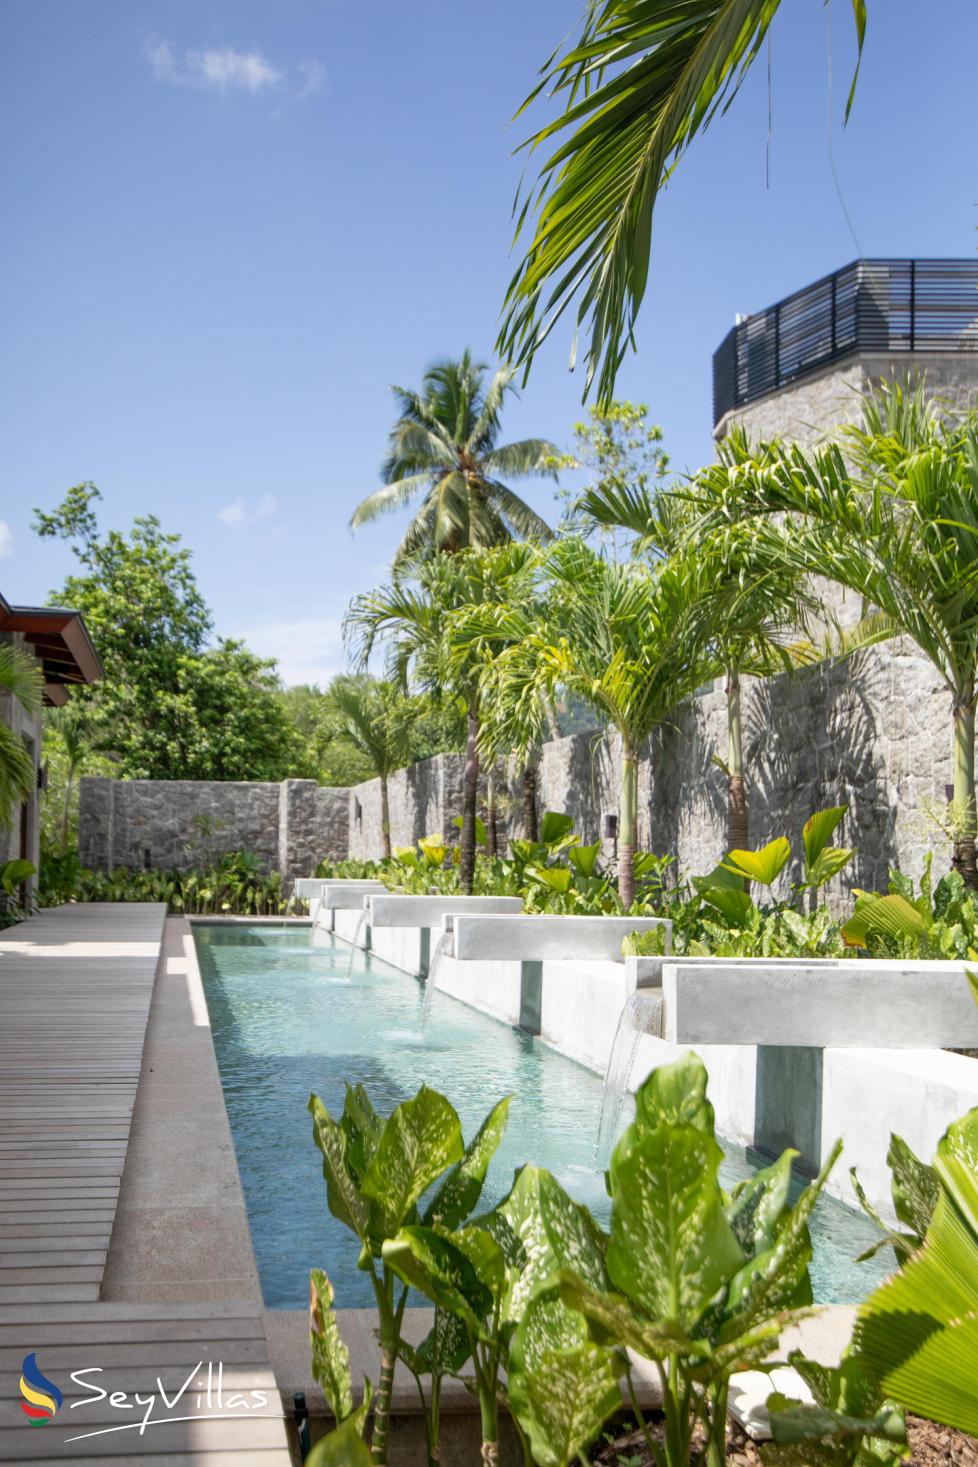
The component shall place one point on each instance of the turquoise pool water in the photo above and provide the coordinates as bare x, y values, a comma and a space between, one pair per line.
289, 1017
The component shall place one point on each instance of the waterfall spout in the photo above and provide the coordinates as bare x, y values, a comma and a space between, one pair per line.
441, 950
642, 1014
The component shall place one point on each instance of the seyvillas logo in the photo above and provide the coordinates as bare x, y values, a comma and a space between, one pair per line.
41, 1397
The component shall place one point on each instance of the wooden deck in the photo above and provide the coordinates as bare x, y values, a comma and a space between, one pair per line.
75, 989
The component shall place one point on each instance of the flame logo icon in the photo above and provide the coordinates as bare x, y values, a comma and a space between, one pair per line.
41, 1396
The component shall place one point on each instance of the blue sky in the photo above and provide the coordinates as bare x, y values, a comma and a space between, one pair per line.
229, 225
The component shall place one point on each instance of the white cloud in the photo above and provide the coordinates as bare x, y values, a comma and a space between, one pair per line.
224, 69
239, 513
307, 650
6, 539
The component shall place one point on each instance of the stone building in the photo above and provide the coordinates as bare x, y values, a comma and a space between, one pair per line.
60, 643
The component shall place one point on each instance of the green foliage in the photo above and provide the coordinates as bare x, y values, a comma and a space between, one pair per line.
168, 706
915, 1189
703, 1282
444, 449
235, 885
847, 1424
622, 454
20, 679
934, 921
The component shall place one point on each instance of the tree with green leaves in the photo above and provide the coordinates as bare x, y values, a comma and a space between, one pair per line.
378, 724
444, 449
890, 511
631, 641
169, 706
20, 680
420, 624
641, 81
621, 452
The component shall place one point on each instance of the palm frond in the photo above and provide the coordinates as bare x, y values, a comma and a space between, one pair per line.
644, 79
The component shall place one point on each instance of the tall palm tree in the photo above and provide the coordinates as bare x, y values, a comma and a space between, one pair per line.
420, 625
629, 640
891, 511
378, 725
444, 447
642, 80
20, 679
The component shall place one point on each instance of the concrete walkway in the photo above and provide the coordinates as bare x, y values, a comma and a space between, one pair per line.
115, 1269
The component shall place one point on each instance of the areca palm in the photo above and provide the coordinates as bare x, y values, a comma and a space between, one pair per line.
420, 626
378, 725
757, 628
900, 527
627, 639
444, 448
644, 78
20, 679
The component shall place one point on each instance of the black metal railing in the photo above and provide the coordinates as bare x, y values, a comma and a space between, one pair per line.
870, 305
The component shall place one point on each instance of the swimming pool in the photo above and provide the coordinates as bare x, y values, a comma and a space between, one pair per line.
289, 1017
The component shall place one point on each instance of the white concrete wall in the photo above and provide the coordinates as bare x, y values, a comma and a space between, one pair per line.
493, 988
402, 947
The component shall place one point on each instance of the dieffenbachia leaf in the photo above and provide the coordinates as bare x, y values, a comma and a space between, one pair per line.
562, 1386
555, 1233
330, 1358
342, 1197
421, 1138
462, 1187
432, 1263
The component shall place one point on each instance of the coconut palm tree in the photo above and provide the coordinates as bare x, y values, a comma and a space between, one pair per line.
20, 680
642, 80
890, 511
444, 447
378, 725
629, 640
420, 625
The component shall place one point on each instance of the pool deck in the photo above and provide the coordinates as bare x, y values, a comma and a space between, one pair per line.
86, 1279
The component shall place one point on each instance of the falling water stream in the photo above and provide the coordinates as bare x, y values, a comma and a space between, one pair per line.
642, 1014
441, 950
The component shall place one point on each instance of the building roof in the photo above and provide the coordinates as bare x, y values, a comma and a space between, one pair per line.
59, 640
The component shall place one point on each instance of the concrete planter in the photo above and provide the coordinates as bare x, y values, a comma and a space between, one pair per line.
532, 938
404, 930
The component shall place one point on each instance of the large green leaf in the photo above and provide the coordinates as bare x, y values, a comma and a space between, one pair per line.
428, 1260
461, 1189
555, 1232
330, 1358
891, 915
421, 1138
342, 1196
765, 865
759, 1203
915, 1186
671, 1246
555, 878
818, 831
584, 859
827, 863
917, 1335
561, 1385
555, 826
444, 1349
675, 1095
363, 1128
614, 1321
344, 1447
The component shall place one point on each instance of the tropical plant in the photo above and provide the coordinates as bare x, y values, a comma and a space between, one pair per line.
891, 512
629, 641
377, 1171
644, 78
444, 446
938, 921
378, 723
759, 600
20, 679
421, 625
620, 452
703, 1282
234, 885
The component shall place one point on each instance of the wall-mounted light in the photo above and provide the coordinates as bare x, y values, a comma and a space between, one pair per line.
357, 812
611, 827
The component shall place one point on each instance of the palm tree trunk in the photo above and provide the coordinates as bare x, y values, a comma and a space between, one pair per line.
385, 819
626, 827
531, 770
963, 757
470, 792
491, 834
737, 831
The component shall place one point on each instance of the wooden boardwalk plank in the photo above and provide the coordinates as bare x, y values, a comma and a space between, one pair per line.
76, 985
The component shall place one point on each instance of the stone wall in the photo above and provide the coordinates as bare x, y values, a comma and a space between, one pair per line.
179, 824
